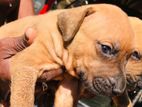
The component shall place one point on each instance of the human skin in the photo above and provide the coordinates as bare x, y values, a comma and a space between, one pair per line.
9, 47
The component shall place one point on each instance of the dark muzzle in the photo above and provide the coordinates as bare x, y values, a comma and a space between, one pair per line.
109, 86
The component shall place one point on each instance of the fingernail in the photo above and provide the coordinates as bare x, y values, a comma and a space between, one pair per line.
30, 34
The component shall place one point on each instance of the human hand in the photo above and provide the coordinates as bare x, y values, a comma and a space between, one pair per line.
10, 46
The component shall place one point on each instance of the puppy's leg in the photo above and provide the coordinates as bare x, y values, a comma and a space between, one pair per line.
1, 105
122, 100
130, 104
22, 87
68, 92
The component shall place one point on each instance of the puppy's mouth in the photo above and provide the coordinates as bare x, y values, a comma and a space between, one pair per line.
134, 82
107, 86
102, 86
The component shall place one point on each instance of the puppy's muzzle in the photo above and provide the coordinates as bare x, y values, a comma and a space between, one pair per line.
134, 82
109, 86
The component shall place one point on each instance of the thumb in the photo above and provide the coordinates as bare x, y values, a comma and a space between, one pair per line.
25, 40
11, 45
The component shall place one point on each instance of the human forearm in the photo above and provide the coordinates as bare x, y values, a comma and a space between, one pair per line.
26, 8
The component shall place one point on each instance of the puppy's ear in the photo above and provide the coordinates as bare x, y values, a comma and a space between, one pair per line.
70, 21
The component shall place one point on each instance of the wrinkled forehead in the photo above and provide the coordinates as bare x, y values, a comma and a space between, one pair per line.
138, 42
137, 28
109, 27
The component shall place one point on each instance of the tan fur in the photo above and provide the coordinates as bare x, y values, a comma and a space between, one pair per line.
133, 66
102, 24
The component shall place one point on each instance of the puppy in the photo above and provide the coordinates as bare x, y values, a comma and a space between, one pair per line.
133, 67
89, 41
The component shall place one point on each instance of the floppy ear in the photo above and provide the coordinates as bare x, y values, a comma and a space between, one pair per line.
70, 21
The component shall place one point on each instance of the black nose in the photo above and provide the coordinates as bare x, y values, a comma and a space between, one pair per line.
118, 85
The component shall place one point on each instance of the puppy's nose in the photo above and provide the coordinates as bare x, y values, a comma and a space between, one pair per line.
118, 85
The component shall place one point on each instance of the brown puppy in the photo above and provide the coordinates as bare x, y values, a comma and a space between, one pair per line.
134, 65
134, 69
96, 51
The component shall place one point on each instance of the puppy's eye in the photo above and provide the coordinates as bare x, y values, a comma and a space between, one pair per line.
136, 56
106, 49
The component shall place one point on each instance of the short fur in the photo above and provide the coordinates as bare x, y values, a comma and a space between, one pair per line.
83, 31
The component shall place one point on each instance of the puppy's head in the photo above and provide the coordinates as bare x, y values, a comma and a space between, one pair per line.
134, 65
100, 39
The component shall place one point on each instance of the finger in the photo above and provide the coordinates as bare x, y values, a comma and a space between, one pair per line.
25, 40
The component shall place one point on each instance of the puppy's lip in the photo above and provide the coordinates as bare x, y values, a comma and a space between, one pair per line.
139, 84
133, 83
